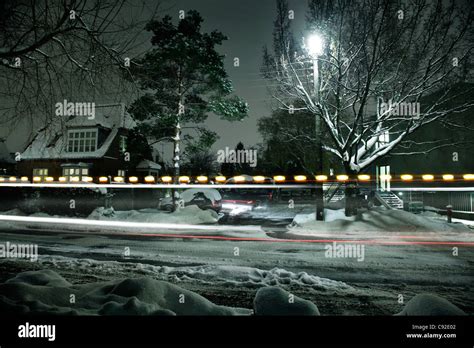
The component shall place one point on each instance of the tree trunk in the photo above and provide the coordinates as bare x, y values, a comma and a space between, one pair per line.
176, 152
351, 192
177, 138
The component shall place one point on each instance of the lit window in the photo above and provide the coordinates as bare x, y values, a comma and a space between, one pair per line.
121, 172
82, 141
72, 171
42, 172
123, 143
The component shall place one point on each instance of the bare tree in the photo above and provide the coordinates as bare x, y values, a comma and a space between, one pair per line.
388, 68
53, 50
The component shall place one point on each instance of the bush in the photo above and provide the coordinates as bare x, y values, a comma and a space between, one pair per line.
71, 201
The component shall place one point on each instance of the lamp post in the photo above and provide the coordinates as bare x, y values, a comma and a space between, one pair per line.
315, 47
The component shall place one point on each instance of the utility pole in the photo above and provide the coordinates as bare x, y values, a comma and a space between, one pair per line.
319, 145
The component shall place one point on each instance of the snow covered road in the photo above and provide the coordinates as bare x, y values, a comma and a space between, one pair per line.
230, 271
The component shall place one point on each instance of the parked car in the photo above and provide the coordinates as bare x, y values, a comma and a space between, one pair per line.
204, 198
236, 201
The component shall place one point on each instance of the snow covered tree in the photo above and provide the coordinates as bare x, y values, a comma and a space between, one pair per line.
380, 62
289, 144
53, 50
197, 156
200, 162
183, 80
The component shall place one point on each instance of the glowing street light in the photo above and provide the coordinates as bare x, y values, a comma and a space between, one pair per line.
202, 179
300, 178
315, 45
220, 178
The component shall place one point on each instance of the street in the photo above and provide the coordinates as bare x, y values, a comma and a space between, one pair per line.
229, 272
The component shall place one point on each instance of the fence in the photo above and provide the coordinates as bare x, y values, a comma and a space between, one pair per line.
460, 201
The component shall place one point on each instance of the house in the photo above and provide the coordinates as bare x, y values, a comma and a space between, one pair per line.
7, 163
78, 146
147, 167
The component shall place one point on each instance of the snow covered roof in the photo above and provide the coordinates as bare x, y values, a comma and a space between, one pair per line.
51, 142
5, 156
147, 164
107, 116
75, 165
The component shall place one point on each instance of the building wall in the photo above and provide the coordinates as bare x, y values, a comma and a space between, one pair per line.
455, 159
7, 169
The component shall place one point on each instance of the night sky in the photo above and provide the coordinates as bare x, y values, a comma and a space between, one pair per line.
248, 24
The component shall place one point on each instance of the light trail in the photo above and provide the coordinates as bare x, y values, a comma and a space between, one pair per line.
122, 224
130, 224
445, 189
218, 186
182, 186
326, 241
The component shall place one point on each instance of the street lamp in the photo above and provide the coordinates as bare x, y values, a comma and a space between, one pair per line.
315, 47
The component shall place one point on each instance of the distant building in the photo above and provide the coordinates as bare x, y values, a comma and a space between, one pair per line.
147, 167
80, 146
7, 162
442, 147
445, 146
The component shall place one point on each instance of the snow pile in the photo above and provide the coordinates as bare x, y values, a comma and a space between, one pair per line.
45, 291
374, 220
234, 276
187, 215
102, 212
212, 194
14, 212
430, 304
329, 215
188, 195
276, 301
251, 277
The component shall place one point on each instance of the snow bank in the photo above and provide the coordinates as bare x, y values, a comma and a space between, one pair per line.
14, 212
430, 304
188, 195
329, 215
276, 301
250, 277
187, 215
375, 220
234, 276
45, 291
